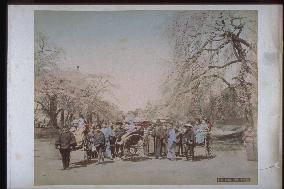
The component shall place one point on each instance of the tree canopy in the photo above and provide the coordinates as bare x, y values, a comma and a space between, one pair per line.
68, 92
214, 72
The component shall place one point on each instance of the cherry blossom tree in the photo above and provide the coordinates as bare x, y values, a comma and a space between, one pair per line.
214, 57
68, 92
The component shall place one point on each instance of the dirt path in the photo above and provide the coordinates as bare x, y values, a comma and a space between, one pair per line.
48, 169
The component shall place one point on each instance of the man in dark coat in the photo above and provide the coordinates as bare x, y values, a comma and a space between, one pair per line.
188, 135
179, 137
159, 134
65, 143
99, 143
188, 138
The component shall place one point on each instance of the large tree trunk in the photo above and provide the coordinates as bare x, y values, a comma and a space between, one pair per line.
240, 53
52, 112
62, 118
53, 119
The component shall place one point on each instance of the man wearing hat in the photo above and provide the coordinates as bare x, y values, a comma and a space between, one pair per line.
99, 143
188, 138
159, 134
65, 143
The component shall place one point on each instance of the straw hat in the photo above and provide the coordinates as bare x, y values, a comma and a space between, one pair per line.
187, 125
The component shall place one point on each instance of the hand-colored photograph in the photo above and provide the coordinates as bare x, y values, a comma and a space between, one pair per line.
145, 97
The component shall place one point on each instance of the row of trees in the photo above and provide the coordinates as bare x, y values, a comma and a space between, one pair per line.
214, 70
61, 93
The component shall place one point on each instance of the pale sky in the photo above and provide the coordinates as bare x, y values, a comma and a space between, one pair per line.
131, 46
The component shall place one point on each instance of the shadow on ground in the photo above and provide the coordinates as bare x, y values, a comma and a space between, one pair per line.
137, 159
200, 158
84, 163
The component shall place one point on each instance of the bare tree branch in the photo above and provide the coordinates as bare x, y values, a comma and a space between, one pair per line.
225, 65
218, 48
220, 77
243, 42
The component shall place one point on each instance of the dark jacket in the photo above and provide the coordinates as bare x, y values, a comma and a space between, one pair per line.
99, 138
65, 140
179, 137
160, 133
188, 136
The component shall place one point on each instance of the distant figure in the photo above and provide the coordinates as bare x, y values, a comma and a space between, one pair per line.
171, 143
249, 138
164, 141
108, 133
81, 121
179, 136
210, 125
131, 128
196, 124
188, 135
118, 132
200, 132
79, 130
112, 140
99, 143
188, 138
65, 143
146, 134
159, 135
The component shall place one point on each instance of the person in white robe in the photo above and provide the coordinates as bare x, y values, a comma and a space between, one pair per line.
107, 133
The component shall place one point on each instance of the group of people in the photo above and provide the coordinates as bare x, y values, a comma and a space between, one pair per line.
169, 137
99, 136
166, 135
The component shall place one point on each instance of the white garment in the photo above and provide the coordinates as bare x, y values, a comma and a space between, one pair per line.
81, 122
131, 128
107, 133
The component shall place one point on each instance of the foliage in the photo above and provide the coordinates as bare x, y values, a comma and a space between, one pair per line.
214, 71
68, 92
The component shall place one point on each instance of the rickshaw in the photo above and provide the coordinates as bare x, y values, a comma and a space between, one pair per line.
133, 145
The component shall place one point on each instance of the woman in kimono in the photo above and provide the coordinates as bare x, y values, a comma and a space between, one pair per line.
171, 143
